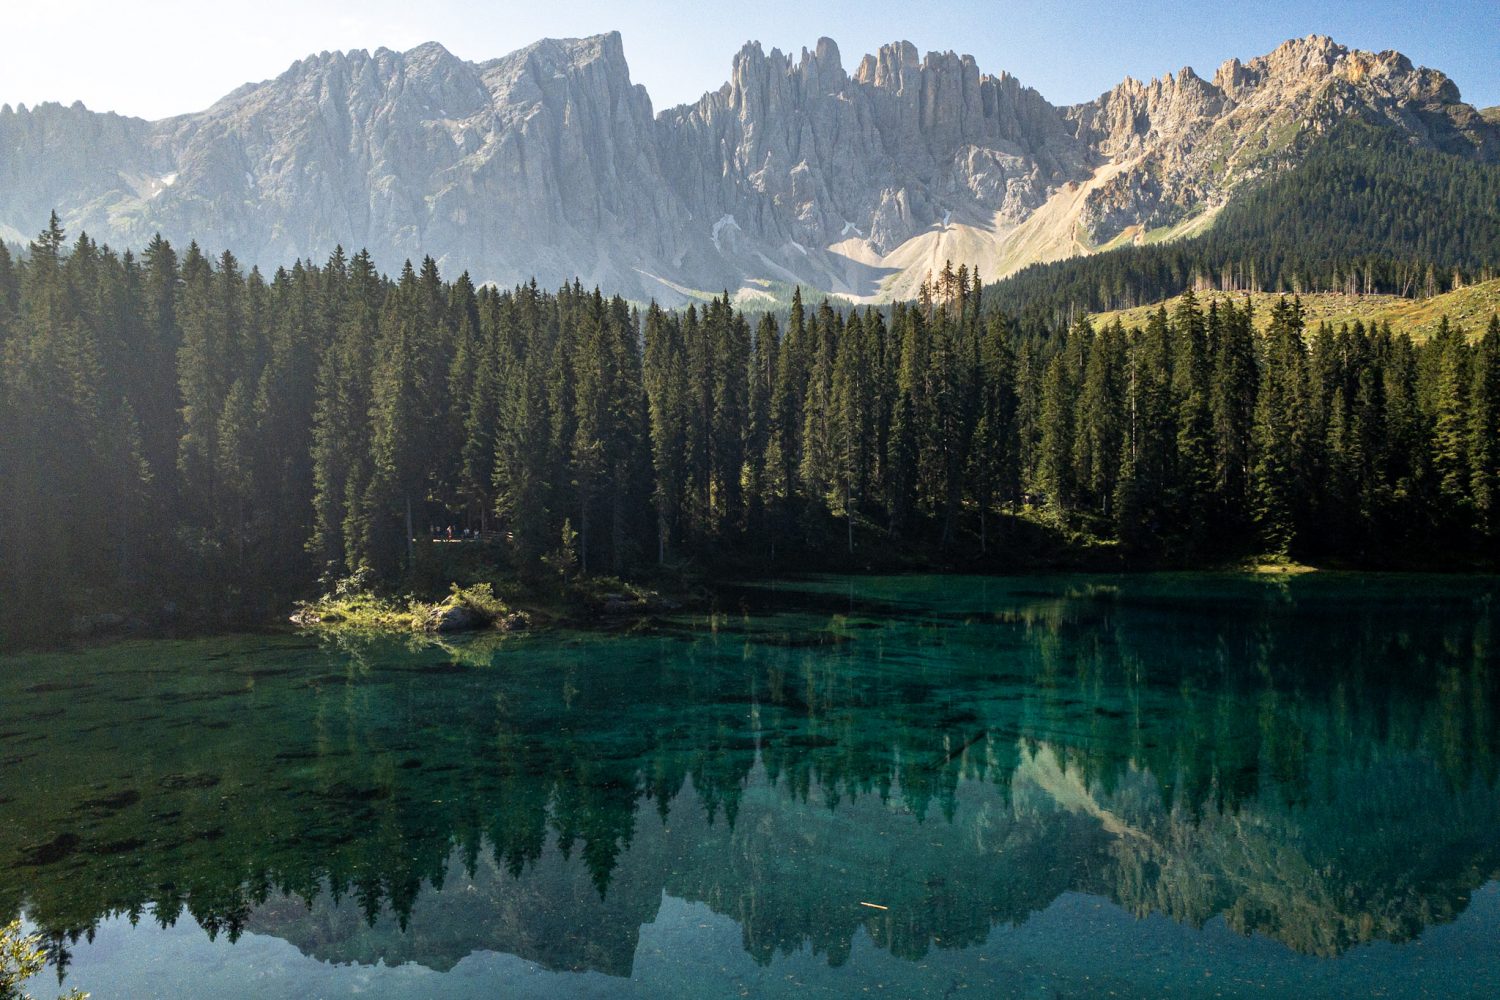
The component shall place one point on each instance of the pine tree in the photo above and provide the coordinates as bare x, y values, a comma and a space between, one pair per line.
156, 398
10, 295
1275, 437
397, 414
234, 471
1055, 460
1192, 391
285, 399
853, 417
1147, 480
591, 406
1484, 431
909, 416
465, 371
212, 318
666, 390
993, 459
340, 438
818, 467
1449, 415
697, 341
760, 379
1098, 436
784, 452
1232, 398
627, 455
730, 338
69, 469
522, 464
492, 356
955, 336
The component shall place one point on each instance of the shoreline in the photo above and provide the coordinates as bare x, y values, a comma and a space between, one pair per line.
584, 605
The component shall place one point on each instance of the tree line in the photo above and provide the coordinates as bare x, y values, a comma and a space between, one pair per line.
178, 423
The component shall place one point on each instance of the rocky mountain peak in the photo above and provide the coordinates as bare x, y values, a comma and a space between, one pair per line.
550, 162
1232, 77
597, 61
1311, 56
890, 66
822, 64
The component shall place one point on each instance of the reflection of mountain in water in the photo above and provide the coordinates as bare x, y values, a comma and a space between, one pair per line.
1316, 764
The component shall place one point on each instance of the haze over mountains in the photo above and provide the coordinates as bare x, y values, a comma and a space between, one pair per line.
550, 163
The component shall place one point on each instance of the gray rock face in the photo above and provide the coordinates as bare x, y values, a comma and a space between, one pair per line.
1187, 143
550, 163
74, 160
805, 152
791, 158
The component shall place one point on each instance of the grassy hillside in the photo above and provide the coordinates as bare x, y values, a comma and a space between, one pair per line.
1470, 307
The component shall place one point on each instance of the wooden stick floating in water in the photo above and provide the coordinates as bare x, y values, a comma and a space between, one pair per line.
874, 906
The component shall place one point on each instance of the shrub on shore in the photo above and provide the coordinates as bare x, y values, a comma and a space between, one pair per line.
351, 608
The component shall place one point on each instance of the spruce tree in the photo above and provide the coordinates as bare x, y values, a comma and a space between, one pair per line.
760, 379
1232, 399
155, 400
522, 467
1098, 439
1449, 352
1275, 436
1193, 395
1055, 461
666, 392
397, 417
730, 351
1484, 431
909, 416
340, 436
818, 470
784, 451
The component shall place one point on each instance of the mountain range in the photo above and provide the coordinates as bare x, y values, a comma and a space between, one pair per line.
550, 163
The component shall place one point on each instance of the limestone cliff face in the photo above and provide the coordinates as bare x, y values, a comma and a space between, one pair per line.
550, 162
810, 153
798, 157
74, 160
533, 163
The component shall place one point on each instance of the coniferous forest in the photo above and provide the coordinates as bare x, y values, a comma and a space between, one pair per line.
176, 427
1362, 212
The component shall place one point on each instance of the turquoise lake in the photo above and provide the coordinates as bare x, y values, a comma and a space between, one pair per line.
1054, 786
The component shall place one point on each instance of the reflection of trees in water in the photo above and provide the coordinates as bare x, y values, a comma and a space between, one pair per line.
1320, 769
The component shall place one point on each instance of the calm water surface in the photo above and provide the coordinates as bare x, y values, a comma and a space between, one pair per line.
1059, 786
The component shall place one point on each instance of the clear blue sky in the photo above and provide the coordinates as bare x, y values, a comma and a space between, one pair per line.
168, 56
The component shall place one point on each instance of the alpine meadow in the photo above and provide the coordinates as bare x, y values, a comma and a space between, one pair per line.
464, 531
